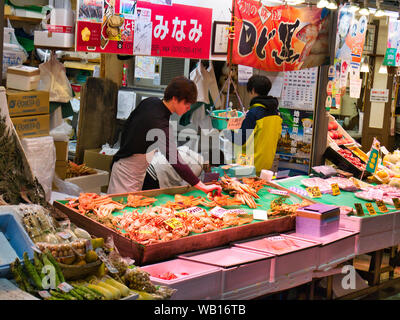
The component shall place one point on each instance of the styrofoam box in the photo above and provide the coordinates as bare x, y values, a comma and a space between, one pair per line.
369, 225
374, 242
92, 182
334, 248
203, 281
57, 40
240, 267
291, 281
302, 255
396, 237
250, 292
22, 77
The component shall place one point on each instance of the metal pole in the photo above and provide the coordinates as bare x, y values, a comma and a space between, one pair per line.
1, 38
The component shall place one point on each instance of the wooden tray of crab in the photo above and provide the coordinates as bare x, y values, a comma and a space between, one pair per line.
149, 234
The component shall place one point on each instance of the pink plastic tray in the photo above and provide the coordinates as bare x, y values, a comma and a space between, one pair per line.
334, 248
374, 242
241, 268
291, 255
195, 281
291, 280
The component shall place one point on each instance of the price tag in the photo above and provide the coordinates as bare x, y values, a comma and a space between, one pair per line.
335, 189
314, 192
381, 205
275, 238
64, 235
102, 256
173, 223
279, 192
218, 212
245, 160
359, 209
234, 123
192, 210
88, 245
260, 214
237, 211
370, 208
65, 287
44, 294
396, 203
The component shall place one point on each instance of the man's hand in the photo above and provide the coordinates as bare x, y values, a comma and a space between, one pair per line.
209, 188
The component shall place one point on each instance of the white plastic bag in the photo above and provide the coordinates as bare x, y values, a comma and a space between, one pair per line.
62, 132
67, 187
54, 80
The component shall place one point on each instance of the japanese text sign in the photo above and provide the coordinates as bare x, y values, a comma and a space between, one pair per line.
278, 38
179, 30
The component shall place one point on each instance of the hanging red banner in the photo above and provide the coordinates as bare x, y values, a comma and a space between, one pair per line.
179, 30
281, 38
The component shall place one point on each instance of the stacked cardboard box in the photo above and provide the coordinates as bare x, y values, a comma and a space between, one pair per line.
29, 112
61, 158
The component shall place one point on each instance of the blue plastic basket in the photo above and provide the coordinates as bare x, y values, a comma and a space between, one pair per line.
18, 239
221, 123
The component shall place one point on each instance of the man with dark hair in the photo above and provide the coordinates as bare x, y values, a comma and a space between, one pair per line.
262, 127
147, 123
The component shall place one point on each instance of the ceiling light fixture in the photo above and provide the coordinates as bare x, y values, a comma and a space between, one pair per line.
332, 5
379, 12
364, 10
322, 4
353, 7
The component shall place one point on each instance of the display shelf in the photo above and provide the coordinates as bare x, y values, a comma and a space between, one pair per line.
80, 65
23, 19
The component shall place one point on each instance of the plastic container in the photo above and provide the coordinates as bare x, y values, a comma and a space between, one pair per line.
221, 123
291, 255
195, 281
317, 220
378, 223
17, 238
373, 242
240, 267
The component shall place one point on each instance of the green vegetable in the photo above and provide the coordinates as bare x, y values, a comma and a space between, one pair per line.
55, 264
38, 264
76, 294
30, 269
86, 293
65, 296
47, 262
17, 276
54, 298
22, 276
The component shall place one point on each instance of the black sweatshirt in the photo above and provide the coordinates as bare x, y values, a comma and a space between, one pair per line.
138, 136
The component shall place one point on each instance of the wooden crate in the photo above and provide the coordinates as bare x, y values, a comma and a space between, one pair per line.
166, 250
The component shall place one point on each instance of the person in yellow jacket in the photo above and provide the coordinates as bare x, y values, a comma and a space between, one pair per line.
260, 131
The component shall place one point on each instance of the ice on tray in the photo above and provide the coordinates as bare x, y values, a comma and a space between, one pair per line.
7, 253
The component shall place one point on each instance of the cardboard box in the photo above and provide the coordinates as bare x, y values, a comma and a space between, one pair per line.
93, 159
91, 183
61, 150
61, 168
32, 126
24, 103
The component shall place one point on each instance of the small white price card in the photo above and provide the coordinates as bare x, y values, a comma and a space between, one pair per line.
279, 192
65, 287
218, 212
260, 214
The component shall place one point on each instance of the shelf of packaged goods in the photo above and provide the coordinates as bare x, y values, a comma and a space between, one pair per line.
80, 65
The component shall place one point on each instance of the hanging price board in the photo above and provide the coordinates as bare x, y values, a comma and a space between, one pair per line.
335, 189
245, 160
314, 192
370, 208
396, 203
359, 209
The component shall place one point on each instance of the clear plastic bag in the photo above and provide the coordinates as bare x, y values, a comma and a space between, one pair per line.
67, 187
53, 79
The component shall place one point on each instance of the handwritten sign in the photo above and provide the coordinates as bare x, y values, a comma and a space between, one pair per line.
381, 205
335, 189
314, 192
235, 123
359, 209
218, 212
279, 192
173, 223
396, 203
370, 208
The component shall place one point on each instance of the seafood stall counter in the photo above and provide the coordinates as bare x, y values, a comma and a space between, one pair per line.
155, 225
